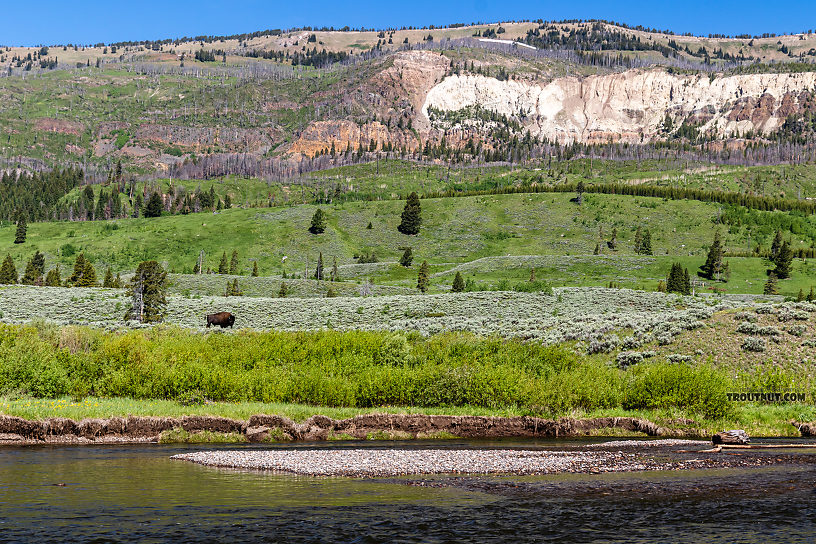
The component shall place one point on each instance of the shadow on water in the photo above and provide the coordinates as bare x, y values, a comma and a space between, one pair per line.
136, 493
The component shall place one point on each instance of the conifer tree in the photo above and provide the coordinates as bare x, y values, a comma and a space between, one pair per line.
255, 269
283, 290
233, 269
532, 275
331, 293
638, 240
783, 260
770, 285
407, 257
32, 274
646, 243
811, 297
318, 275
227, 201
458, 283
108, 281
117, 283
579, 189
52, 279
20, 234
686, 282
222, 266
776, 244
79, 269
154, 206
422, 276
318, 225
613, 243
8, 272
148, 290
88, 277
800, 297
712, 268
411, 216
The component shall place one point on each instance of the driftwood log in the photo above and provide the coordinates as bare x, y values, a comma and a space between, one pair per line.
731, 437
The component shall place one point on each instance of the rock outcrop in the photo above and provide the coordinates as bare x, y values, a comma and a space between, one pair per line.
632, 106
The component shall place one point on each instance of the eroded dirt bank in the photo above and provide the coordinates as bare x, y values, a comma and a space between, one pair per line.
262, 428
267, 428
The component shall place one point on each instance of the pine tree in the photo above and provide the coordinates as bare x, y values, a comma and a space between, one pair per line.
255, 269
638, 240
154, 206
776, 244
800, 296
686, 282
770, 285
597, 250
331, 293
369, 226
674, 281
20, 234
118, 283
30, 275
335, 272
88, 277
108, 281
148, 290
811, 297
646, 243
52, 279
726, 272
233, 269
579, 189
422, 276
227, 201
458, 283
8, 272
283, 290
613, 243
532, 275
411, 216
318, 225
79, 269
222, 266
712, 268
783, 260
407, 257
318, 275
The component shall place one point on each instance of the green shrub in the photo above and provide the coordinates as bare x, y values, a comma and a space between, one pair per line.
701, 389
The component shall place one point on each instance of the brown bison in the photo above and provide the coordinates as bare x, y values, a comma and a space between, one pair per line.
221, 319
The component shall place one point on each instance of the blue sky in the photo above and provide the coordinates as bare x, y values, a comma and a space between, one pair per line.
91, 21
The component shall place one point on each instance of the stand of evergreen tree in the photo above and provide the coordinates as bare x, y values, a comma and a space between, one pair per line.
411, 216
233, 269
318, 225
148, 290
283, 290
233, 289
423, 276
8, 272
108, 281
223, 268
84, 273
643, 241
678, 280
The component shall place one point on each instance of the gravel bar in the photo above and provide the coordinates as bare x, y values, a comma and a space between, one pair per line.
394, 462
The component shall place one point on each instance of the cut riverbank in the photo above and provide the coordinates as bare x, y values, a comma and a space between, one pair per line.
275, 428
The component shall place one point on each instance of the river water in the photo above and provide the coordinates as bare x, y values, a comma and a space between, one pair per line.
137, 494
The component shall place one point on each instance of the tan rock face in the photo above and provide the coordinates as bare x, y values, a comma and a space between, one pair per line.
632, 105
